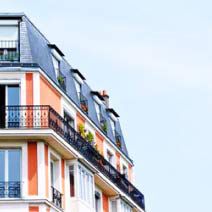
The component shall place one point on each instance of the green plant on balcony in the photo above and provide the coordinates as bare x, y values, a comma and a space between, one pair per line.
81, 130
60, 79
104, 127
89, 137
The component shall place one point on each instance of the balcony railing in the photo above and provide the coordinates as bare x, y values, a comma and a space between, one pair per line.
9, 50
56, 197
10, 189
83, 103
46, 117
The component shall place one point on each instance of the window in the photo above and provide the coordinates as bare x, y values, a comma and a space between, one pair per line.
69, 119
110, 157
85, 185
98, 110
56, 64
72, 181
10, 173
113, 125
97, 201
9, 43
10, 96
125, 207
52, 173
125, 171
113, 205
78, 87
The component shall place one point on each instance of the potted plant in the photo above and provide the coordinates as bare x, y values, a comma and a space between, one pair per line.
81, 130
104, 127
60, 79
89, 137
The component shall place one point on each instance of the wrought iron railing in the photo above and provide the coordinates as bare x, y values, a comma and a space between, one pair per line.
83, 103
9, 50
62, 81
10, 189
56, 197
47, 117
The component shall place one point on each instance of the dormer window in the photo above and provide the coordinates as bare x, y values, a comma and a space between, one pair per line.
98, 99
79, 80
56, 58
56, 64
98, 110
113, 126
9, 40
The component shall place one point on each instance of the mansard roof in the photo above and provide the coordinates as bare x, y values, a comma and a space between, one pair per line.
38, 50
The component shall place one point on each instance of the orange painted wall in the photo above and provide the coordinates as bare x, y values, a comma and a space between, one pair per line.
29, 88
99, 142
49, 95
130, 168
32, 169
33, 208
118, 161
63, 179
46, 156
105, 203
80, 119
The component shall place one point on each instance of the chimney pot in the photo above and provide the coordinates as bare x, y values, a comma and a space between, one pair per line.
105, 97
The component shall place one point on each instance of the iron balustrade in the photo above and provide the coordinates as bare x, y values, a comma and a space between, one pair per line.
83, 103
9, 50
56, 197
47, 117
11, 189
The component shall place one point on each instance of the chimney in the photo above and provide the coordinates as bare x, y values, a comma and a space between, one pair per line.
105, 97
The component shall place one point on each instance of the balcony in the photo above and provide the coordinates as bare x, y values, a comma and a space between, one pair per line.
10, 189
83, 103
9, 50
39, 117
56, 197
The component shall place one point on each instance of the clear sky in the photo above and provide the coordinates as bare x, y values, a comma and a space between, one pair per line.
155, 60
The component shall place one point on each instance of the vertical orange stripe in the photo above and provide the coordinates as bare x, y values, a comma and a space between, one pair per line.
118, 161
130, 172
49, 95
99, 143
29, 88
48, 209
32, 169
63, 179
105, 203
33, 208
47, 170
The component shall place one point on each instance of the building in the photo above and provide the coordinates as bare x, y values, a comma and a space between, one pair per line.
61, 144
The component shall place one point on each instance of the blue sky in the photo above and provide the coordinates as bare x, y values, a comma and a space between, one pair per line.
155, 60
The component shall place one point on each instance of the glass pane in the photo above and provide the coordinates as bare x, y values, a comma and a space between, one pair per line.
13, 99
2, 165
71, 176
13, 95
14, 165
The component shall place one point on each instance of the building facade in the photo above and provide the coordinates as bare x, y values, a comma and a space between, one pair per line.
61, 144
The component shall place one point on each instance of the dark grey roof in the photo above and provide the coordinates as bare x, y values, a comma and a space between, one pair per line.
40, 53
